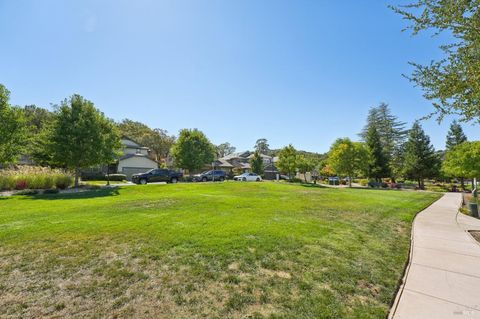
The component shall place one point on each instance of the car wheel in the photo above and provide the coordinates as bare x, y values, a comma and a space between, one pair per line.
143, 181
221, 179
174, 180
244, 179
258, 179
204, 179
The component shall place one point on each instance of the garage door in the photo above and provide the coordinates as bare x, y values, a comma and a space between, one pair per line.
129, 171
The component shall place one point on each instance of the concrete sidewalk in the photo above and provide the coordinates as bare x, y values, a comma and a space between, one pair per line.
442, 279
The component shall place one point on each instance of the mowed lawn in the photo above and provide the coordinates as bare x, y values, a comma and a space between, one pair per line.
223, 250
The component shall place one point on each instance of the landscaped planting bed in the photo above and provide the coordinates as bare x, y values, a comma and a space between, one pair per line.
31, 177
205, 250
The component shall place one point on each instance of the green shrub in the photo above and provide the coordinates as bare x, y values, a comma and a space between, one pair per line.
363, 182
117, 177
7, 182
63, 181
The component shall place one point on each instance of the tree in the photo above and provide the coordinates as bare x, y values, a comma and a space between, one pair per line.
39, 123
224, 149
420, 159
451, 83
12, 129
256, 162
305, 165
377, 165
262, 146
82, 136
287, 160
159, 143
347, 158
392, 134
157, 140
192, 150
137, 131
455, 136
463, 160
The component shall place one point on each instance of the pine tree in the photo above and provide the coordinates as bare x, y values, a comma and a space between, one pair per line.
420, 159
378, 164
455, 136
391, 131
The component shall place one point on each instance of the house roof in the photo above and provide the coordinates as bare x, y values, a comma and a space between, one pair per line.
261, 155
133, 144
223, 163
236, 155
127, 156
245, 166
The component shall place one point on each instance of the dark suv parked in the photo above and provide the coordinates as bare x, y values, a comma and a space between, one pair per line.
157, 175
218, 176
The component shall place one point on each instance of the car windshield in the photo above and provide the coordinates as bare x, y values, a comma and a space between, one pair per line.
207, 173
150, 171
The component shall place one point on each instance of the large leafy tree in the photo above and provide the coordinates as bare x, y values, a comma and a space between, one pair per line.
39, 122
160, 143
452, 82
135, 130
157, 140
347, 158
262, 146
192, 150
256, 163
224, 149
378, 164
463, 160
287, 160
82, 136
420, 159
12, 129
392, 134
455, 136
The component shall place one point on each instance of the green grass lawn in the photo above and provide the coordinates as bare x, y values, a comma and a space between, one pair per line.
203, 250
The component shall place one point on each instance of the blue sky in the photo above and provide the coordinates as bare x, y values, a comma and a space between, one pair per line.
300, 72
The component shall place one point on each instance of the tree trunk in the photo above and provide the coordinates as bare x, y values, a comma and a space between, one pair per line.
419, 183
462, 183
305, 177
349, 181
77, 176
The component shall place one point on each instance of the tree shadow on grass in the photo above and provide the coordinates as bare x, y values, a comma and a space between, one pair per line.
84, 194
311, 185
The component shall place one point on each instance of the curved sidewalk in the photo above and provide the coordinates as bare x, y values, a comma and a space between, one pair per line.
442, 279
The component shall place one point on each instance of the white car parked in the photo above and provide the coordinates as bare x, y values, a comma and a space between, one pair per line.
248, 177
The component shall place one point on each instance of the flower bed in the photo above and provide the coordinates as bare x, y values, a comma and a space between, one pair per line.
31, 177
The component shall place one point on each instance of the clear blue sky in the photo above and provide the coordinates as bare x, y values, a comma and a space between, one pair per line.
300, 72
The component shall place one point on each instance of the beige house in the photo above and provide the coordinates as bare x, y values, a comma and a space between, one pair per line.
135, 159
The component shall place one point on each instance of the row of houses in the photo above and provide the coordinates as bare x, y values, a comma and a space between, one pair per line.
136, 159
